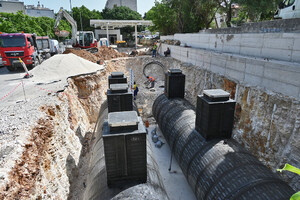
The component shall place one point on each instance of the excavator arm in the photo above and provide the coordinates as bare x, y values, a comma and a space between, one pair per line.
62, 13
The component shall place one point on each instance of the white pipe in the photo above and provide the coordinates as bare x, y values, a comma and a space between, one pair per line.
135, 36
107, 34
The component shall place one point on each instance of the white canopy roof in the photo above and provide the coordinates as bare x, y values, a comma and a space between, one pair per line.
118, 23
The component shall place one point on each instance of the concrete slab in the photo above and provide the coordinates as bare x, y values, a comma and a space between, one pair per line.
175, 182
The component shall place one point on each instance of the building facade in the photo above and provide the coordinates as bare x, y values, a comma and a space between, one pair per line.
132, 4
39, 11
12, 6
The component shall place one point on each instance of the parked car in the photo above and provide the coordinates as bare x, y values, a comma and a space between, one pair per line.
156, 37
148, 37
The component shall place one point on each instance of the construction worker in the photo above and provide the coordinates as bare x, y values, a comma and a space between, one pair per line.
154, 50
167, 52
151, 80
136, 90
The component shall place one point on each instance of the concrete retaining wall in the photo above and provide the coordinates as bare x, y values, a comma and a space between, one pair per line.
279, 46
271, 75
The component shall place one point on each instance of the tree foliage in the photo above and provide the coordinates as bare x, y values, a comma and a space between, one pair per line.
121, 13
165, 22
86, 16
42, 26
194, 15
258, 10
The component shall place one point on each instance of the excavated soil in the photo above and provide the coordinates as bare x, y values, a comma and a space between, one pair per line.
104, 53
27, 169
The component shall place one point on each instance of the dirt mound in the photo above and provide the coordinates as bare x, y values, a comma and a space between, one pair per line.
108, 53
83, 54
104, 53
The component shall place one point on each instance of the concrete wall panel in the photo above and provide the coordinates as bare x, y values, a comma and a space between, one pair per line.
277, 76
273, 45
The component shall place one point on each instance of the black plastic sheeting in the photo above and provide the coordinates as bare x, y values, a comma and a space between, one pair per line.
153, 62
215, 169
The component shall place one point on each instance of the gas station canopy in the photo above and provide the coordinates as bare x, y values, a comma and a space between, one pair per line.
111, 24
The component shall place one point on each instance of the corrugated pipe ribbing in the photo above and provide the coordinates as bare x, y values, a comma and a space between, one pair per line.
215, 169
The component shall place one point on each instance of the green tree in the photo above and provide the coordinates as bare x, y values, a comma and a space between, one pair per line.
163, 18
121, 13
42, 26
86, 16
206, 9
187, 18
258, 10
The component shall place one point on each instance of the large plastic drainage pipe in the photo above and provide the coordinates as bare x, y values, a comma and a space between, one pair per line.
216, 169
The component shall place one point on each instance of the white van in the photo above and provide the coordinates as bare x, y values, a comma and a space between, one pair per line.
288, 9
54, 47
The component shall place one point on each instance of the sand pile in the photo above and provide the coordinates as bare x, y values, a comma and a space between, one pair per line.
59, 67
104, 53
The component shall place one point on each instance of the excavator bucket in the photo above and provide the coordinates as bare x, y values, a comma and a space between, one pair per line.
62, 33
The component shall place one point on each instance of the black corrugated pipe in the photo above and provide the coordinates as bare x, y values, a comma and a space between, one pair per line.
215, 169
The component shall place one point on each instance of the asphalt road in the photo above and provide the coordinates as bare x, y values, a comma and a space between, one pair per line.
11, 90
14, 88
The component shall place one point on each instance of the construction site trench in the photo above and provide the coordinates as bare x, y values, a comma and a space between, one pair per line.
58, 153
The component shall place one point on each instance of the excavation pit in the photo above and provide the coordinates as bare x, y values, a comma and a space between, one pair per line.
73, 164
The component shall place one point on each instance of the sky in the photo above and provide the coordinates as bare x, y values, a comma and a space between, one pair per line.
143, 5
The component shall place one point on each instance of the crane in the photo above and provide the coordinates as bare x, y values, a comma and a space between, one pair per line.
83, 39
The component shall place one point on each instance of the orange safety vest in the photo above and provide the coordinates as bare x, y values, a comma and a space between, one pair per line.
151, 79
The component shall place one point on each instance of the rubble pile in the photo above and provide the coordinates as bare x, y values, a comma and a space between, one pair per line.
104, 53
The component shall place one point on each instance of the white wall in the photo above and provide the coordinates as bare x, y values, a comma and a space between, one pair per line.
40, 13
111, 32
271, 75
132, 4
11, 7
279, 46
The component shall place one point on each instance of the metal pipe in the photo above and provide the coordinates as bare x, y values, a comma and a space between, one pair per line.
215, 169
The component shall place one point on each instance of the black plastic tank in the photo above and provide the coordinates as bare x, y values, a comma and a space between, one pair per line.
117, 77
124, 137
174, 83
119, 98
215, 169
215, 114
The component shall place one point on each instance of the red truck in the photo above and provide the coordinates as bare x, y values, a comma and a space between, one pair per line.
19, 45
